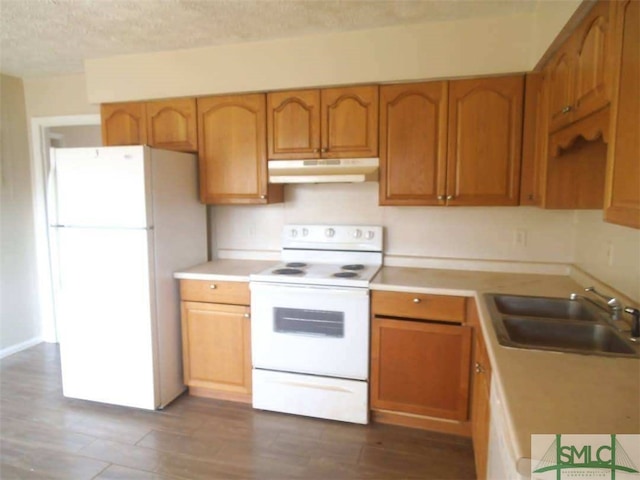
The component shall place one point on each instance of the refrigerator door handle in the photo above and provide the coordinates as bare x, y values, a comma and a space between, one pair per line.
100, 227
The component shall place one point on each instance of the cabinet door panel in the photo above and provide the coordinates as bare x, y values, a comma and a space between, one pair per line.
232, 148
485, 132
293, 124
593, 62
420, 368
622, 198
123, 123
413, 133
560, 76
216, 344
480, 408
171, 124
350, 122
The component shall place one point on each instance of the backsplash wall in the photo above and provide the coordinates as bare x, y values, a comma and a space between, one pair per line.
436, 233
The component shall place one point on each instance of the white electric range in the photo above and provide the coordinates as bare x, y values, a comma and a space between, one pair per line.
310, 322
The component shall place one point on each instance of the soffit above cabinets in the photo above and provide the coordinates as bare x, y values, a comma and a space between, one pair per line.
32, 43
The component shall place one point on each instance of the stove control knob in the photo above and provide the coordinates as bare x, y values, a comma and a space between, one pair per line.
305, 232
370, 235
357, 233
293, 233
329, 232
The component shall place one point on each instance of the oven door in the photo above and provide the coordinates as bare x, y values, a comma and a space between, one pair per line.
315, 330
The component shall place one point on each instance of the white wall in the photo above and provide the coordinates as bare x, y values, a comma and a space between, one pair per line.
455, 234
57, 96
609, 252
19, 314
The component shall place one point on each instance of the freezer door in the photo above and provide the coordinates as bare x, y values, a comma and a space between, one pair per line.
105, 318
100, 187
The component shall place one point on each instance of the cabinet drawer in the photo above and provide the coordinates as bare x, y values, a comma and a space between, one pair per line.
443, 308
215, 291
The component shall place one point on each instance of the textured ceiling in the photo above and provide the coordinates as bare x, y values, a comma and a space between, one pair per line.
45, 37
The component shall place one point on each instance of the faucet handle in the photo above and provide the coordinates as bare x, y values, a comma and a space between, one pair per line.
635, 323
613, 302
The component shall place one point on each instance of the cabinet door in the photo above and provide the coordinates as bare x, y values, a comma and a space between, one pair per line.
349, 122
413, 143
420, 368
480, 408
293, 124
622, 198
171, 124
216, 346
593, 61
534, 140
233, 151
123, 123
559, 75
485, 133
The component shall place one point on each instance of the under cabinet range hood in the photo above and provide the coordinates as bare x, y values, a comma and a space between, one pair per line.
334, 170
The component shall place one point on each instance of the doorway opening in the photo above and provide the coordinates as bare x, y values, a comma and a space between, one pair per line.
47, 132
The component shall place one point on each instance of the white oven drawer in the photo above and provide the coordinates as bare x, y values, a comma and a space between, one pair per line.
316, 330
320, 397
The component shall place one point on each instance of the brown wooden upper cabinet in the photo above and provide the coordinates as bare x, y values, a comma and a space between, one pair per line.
124, 123
622, 197
328, 123
233, 151
413, 143
579, 74
169, 124
484, 141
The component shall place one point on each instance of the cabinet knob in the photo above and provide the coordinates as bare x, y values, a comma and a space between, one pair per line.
247, 315
479, 368
416, 300
567, 109
263, 197
316, 150
440, 197
324, 150
212, 286
450, 197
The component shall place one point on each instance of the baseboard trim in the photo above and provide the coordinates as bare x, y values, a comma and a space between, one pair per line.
18, 347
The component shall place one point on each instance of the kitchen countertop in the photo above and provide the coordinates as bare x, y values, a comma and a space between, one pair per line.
222, 269
543, 392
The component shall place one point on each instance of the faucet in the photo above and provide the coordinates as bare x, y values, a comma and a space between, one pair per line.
635, 323
615, 307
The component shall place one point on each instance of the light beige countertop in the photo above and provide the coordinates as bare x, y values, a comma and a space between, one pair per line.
230, 270
543, 392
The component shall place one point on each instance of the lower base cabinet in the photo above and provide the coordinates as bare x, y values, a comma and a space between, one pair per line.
216, 339
480, 406
420, 361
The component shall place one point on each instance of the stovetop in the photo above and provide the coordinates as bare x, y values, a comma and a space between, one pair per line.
331, 255
330, 274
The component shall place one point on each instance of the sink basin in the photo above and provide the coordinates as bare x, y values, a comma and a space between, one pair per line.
585, 337
543, 307
558, 324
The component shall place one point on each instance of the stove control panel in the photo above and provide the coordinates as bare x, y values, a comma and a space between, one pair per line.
333, 237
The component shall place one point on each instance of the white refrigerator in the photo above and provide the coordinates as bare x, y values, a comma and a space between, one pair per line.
122, 221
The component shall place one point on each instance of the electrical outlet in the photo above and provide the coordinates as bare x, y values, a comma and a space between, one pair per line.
610, 250
520, 237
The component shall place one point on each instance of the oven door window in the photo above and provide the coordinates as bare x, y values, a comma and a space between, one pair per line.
308, 322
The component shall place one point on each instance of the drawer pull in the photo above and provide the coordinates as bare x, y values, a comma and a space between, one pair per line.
416, 300
212, 286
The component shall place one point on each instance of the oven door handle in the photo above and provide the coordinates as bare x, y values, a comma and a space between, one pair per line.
259, 287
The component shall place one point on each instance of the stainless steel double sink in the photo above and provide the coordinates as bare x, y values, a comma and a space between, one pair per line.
556, 324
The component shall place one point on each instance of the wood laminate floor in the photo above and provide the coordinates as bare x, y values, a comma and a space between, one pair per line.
44, 435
